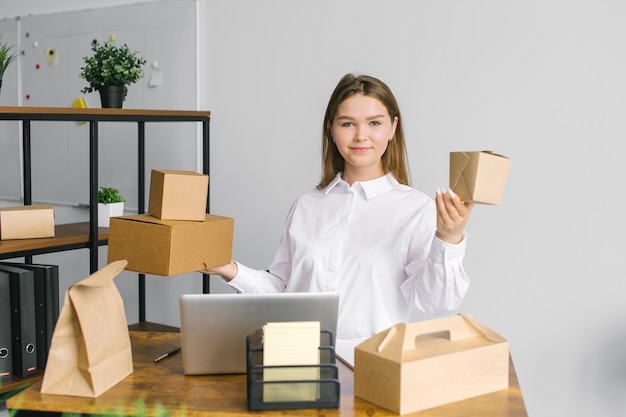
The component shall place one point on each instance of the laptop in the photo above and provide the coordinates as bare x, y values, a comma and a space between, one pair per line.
214, 327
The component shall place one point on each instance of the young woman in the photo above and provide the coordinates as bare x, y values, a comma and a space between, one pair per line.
363, 232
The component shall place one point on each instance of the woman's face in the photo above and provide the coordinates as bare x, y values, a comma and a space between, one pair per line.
361, 130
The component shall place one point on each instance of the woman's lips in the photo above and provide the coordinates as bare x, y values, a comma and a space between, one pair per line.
360, 150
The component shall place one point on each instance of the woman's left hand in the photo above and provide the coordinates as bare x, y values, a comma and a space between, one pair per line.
452, 216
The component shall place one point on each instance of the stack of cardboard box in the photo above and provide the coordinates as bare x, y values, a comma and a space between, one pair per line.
177, 235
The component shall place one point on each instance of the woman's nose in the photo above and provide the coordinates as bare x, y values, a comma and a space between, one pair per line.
361, 133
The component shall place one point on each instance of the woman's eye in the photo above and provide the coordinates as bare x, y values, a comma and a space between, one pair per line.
347, 124
375, 123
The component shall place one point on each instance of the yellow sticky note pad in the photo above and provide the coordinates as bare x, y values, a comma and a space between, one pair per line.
292, 344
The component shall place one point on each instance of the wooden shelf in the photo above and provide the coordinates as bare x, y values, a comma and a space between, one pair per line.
67, 237
118, 115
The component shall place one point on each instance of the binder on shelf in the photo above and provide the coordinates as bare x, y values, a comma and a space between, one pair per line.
46, 305
6, 357
24, 333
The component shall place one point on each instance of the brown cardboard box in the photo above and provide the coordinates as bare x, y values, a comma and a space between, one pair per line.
415, 366
178, 195
479, 176
170, 247
26, 222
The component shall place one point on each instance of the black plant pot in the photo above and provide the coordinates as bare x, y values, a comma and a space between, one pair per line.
112, 96
0, 85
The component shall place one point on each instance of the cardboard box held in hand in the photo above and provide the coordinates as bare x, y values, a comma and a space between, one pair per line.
415, 366
90, 350
479, 176
170, 247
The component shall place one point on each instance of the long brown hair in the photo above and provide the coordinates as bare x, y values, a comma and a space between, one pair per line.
394, 159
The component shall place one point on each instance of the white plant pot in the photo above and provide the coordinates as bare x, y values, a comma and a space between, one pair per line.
106, 211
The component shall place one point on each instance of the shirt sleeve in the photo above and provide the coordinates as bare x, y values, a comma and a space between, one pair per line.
437, 282
250, 280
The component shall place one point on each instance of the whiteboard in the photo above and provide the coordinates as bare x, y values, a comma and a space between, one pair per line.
52, 48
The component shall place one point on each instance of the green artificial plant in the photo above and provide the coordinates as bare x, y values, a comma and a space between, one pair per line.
107, 195
111, 65
6, 56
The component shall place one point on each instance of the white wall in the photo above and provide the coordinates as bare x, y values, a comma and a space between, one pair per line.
542, 82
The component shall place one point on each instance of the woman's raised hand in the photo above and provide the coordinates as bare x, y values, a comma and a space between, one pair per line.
452, 216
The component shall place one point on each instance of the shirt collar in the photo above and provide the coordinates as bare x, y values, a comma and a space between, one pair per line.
371, 189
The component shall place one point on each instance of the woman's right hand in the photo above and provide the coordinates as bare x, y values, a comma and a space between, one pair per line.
227, 271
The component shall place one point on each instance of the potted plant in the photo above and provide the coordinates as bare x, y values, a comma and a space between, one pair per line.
110, 204
6, 57
110, 70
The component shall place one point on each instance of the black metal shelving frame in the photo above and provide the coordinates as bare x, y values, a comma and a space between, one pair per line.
27, 115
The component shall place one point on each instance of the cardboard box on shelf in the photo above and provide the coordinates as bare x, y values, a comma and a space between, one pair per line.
26, 222
415, 366
178, 195
479, 176
170, 247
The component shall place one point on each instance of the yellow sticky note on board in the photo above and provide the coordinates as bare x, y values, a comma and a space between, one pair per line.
51, 55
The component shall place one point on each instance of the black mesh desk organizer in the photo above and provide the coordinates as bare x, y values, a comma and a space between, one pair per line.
326, 385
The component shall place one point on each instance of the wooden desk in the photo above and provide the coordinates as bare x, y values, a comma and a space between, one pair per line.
164, 385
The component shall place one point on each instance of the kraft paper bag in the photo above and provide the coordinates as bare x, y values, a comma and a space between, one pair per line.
90, 350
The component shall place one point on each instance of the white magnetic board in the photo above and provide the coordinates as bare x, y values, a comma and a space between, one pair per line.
52, 48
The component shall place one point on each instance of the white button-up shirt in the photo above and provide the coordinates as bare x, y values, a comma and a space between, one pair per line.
373, 243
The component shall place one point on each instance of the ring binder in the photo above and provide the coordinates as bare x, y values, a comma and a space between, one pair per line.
22, 290
6, 357
46, 293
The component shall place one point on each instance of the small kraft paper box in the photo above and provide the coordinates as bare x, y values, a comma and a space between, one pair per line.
178, 195
479, 176
26, 222
170, 247
415, 366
